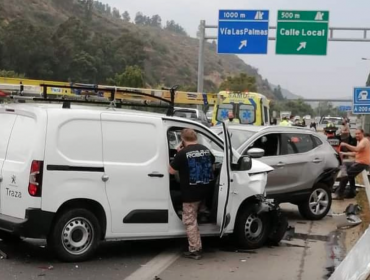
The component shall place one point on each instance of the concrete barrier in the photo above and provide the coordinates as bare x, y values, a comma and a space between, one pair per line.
356, 265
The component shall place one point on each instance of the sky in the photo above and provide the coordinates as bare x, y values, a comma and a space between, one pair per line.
331, 76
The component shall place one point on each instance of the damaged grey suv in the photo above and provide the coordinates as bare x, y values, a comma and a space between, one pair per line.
305, 165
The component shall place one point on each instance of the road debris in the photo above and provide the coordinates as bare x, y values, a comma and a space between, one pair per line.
50, 267
349, 218
3, 255
289, 234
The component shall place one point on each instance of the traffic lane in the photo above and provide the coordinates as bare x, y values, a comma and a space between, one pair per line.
306, 256
31, 259
117, 260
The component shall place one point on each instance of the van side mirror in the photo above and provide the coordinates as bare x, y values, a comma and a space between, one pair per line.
256, 153
244, 164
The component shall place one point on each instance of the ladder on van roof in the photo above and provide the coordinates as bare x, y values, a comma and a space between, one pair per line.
35, 88
112, 96
39, 90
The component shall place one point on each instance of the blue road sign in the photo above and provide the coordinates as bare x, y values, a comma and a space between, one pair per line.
345, 108
243, 32
361, 100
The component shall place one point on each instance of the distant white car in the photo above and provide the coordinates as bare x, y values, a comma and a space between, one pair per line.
337, 121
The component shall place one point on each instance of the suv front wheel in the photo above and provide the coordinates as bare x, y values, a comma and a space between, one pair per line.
317, 204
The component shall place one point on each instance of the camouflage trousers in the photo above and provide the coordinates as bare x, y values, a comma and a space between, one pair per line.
189, 218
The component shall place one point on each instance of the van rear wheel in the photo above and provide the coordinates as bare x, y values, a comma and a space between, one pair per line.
75, 235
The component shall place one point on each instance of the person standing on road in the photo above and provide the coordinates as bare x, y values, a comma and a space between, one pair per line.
362, 162
284, 122
313, 125
345, 132
194, 162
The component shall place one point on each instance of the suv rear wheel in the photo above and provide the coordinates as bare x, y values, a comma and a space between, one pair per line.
75, 235
317, 204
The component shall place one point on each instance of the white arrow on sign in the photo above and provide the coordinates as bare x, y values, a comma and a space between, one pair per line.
243, 44
302, 46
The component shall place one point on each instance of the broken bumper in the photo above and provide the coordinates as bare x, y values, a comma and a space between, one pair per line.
36, 224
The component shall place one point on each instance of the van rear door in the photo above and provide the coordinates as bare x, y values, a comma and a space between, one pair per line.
25, 146
6, 126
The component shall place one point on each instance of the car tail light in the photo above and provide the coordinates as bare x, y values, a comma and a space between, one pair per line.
35, 184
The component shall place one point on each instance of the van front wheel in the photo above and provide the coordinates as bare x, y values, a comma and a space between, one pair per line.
252, 229
75, 235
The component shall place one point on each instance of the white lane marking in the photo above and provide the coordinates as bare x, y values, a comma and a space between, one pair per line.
156, 265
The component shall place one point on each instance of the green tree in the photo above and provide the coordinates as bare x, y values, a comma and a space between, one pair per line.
88, 6
82, 68
297, 106
126, 17
241, 83
116, 13
140, 19
27, 49
174, 27
132, 77
108, 9
277, 93
98, 6
156, 21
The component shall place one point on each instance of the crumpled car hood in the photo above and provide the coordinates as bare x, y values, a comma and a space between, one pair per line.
259, 167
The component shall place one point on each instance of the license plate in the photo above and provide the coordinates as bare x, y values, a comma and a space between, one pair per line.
333, 142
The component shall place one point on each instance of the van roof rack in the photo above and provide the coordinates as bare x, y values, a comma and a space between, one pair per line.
92, 97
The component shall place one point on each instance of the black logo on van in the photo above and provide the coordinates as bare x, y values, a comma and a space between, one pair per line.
13, 179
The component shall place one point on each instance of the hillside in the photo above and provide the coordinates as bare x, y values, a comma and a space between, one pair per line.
86, 41
286, 93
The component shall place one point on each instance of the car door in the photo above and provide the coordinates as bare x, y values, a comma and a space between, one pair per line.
271, 144
225, 187
300, 161
136, 174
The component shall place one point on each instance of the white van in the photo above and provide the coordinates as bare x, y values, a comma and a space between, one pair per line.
86, 174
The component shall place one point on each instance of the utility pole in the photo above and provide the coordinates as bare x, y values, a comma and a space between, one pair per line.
202, 35
202, 40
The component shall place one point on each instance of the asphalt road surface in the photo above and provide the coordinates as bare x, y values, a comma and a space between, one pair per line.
31, 259
309, 255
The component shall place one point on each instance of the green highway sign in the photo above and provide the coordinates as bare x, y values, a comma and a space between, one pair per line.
302, 32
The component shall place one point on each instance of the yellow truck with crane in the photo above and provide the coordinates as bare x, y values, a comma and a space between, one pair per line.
248, 107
